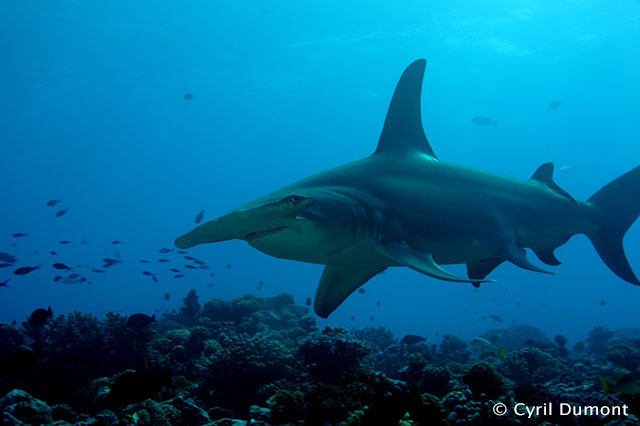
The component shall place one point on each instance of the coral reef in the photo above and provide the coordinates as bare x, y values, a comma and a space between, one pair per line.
624, 356
329, 353
262, 361
514, 337
530, 365
483, 378
598, 339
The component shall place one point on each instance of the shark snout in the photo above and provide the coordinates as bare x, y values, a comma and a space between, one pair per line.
247, 223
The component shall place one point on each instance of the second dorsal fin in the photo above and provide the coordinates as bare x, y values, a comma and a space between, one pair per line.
544, 174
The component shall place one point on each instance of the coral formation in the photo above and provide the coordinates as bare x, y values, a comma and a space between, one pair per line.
262, 361
530, 365
483, 378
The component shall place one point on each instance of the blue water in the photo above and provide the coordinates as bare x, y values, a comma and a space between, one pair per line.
92, 113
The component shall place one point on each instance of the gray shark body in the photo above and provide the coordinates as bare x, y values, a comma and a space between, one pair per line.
401, 206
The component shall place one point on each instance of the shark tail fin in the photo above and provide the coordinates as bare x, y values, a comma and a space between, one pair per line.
617, 206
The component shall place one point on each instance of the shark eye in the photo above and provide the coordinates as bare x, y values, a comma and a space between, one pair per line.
295, 199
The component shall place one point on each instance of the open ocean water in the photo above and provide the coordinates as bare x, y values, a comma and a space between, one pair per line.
124, 125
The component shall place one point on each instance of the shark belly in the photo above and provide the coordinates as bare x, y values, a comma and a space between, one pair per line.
320, 246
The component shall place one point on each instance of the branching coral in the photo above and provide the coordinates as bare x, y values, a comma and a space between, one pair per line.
243, 364
598, 339
328, 354
530, 365
483, 378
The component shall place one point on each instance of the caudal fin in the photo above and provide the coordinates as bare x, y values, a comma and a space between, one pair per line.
617, 206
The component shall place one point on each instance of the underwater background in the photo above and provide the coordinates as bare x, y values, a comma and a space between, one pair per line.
137, 116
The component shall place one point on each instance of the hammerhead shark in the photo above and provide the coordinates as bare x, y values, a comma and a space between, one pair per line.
402, 206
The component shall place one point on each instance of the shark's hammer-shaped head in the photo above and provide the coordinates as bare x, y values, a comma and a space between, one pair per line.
262, 218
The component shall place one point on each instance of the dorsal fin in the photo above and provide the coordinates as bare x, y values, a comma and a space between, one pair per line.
402, 129
544, 174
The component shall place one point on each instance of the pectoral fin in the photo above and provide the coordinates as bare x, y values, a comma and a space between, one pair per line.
421, 261
338, 282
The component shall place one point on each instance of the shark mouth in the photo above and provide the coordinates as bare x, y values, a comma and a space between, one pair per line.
259, 234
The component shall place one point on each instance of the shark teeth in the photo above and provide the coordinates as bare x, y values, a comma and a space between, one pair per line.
258, 234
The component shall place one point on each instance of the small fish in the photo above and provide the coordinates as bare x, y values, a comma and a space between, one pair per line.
175, 270
190, 258
61, 266
200, 262
138, 321
4, 283
5, 265
39, 317
190, 267
204, 266
56, 279
150, 274
361, 290
353, 318
481, 120
61, 213
53, 253
97, 271
378, 303
200, 216
308, 301
181, 252
602, 302
187, 96
154, 278
73, 276
144, 261
213, 274
371, 318
83, 242
6, 257
502, 353
554, 104
108, 262
165, 250
605, 385
167, 296
228, 266
20, 235
412, 339
64, 242
25, 270
116, 242
628, 384
496, 318
163, 260
52, 203
117, 255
